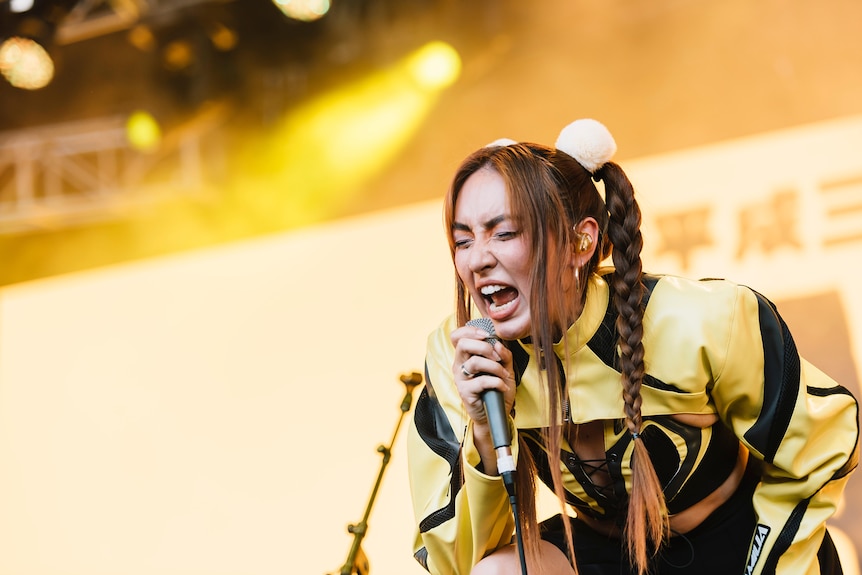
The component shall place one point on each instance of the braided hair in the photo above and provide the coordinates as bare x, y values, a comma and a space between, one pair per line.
647, 519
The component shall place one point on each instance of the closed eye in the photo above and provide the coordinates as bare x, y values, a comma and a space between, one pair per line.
462, 243
507, 235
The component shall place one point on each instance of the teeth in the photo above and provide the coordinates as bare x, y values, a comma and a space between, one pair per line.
490, 290
498, 308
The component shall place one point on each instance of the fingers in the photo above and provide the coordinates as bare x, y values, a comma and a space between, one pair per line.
478, 366
472, 389
475, 366
469, 341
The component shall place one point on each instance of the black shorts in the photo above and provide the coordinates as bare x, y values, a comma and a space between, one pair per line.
717, 546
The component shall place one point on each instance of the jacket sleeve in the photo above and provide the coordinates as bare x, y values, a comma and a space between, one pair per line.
461, 514
799, 422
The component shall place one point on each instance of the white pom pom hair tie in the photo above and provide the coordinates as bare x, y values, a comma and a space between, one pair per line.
501, 143
589, 142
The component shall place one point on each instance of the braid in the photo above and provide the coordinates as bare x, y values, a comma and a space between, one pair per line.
647, 521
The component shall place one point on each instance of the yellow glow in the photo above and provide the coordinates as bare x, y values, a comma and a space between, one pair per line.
305, 10
223, 38
143, 131
177, 55
326, 150
25, 64
435, 65
141, 37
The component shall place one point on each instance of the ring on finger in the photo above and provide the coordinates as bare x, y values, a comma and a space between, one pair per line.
465, 372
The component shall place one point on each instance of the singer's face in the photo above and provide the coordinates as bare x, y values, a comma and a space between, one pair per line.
492, 254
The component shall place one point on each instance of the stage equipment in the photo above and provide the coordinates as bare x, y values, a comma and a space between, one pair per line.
357, 562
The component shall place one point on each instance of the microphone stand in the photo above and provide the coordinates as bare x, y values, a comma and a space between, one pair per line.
357, 562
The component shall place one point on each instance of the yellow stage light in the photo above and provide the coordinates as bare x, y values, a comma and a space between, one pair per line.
143, 131
327, 150
25, 64
435, 65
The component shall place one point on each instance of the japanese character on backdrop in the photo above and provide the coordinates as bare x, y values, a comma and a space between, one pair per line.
770, 224
683, 232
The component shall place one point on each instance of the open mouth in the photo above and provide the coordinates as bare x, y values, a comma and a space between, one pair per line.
499, 297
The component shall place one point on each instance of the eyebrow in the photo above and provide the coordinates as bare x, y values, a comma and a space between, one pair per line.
490, 224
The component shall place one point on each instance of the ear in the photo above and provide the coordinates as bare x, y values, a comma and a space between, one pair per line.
586, 241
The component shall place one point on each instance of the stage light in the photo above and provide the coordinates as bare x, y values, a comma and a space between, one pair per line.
325, 151
223, 38
305, 10
142, 38
178, 55
25, 63
143, 132
18, 6
436, 65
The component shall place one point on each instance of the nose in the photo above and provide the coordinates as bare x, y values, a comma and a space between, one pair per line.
481, 257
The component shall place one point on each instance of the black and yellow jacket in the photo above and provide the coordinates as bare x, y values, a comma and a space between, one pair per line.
712, 347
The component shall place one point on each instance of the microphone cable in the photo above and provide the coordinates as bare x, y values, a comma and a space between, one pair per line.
509, 482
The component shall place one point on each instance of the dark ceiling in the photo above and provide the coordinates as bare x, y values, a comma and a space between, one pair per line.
102, 72
664, 75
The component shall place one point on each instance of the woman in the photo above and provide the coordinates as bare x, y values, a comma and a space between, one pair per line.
674, 416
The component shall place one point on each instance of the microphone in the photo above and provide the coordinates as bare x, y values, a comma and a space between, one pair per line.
495, 409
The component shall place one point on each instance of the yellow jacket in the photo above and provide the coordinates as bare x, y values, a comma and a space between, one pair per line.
711, 347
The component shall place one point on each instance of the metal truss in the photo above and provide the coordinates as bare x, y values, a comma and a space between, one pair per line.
67, 175
92, 18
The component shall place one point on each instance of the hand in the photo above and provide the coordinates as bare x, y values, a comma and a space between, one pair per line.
479, 367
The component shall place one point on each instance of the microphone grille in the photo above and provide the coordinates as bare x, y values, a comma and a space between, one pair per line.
485, 324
